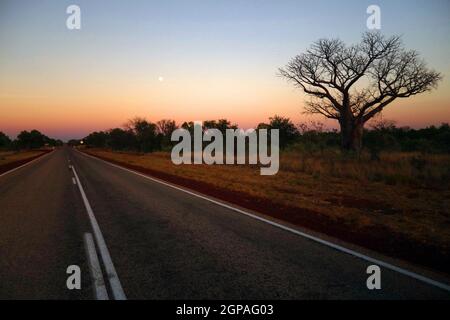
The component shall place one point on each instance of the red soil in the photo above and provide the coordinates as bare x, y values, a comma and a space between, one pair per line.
12, 165
376, 238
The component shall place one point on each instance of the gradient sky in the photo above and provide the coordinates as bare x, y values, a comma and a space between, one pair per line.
218, 58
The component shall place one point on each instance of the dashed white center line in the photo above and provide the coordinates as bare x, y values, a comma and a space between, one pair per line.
114, 282
100, 291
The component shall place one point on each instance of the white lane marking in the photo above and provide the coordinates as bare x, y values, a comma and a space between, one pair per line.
94, 268
113, 278
74, 181
337, 247
26, 164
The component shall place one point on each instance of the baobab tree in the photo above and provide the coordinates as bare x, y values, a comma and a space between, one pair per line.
351, 84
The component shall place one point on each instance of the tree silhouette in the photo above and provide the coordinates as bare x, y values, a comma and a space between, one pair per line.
145, 133
31, 140
351, 84
5, 141
119, 139
165, 129
287, 130
288, 133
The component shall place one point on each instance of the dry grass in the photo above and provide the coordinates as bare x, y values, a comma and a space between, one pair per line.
406, 193
412, 169
7, 157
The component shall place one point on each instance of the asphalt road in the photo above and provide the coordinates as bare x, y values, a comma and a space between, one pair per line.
164, 243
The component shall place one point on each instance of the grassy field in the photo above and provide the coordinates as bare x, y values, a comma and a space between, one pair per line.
406, 194
8, 157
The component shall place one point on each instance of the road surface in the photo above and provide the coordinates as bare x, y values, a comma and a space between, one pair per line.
163, 243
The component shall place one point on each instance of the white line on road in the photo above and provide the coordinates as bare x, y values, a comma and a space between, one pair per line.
113, 278
337, 247
26, 164
74, 181
94, 268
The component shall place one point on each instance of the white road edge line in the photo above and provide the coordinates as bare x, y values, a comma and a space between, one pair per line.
386, 265
26, 164
74, 181
100, 291
113, 278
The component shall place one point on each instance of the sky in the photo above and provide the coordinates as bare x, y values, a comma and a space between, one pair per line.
191, 60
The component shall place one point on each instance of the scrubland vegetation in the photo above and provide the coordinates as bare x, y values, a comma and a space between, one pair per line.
7, 157
27, 140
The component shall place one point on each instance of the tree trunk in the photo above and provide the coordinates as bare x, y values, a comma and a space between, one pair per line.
351, 133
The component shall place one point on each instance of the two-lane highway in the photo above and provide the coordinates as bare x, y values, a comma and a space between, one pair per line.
41, 223
164, 243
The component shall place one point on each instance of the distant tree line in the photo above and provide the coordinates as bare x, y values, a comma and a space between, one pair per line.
27, 140
385, 136
137, 135
143, 136
380, 136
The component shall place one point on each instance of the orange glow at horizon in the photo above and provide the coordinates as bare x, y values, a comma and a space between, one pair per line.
78, 110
